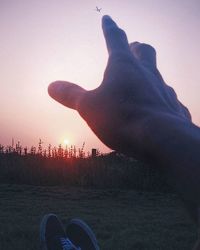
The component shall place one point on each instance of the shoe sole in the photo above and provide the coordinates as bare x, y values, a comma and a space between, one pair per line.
81, 224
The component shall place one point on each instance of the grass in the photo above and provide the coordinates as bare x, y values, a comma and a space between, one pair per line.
121, 220
105, 171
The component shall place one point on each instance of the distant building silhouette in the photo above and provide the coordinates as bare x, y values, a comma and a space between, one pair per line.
94, 152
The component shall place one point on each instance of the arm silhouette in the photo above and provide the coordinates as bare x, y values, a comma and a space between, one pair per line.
135, 112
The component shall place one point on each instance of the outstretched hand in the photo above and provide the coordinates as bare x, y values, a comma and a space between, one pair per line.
131, 97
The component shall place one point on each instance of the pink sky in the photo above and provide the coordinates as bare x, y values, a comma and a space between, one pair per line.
48, 40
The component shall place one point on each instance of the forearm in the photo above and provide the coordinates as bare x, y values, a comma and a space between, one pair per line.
174, 144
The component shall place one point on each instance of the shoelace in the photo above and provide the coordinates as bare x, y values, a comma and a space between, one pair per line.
68, 245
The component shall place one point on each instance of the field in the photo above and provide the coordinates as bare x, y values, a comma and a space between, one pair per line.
121, 219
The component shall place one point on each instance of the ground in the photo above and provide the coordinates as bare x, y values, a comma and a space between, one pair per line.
121, 219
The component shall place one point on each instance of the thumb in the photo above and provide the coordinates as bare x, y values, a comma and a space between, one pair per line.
66, 93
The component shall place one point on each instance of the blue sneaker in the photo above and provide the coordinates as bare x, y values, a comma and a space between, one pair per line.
81, 235
78, 235
53, 236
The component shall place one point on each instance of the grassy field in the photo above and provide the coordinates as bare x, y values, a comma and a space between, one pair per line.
122, 220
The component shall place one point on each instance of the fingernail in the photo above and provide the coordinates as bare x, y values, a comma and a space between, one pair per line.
55, 88
107, 20
107, 17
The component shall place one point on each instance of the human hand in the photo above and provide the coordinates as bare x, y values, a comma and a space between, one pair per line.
130, 98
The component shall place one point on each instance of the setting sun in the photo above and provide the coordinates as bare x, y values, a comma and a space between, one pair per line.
66, 141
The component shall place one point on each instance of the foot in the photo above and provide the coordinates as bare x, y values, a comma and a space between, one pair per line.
53, 236
78, 235
81, 235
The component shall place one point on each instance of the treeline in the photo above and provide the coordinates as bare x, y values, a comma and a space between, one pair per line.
73, 167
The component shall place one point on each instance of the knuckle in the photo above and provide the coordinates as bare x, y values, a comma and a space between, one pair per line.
134, 45
172, 92
146, 46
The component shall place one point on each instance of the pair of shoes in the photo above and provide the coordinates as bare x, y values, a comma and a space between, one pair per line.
78, 235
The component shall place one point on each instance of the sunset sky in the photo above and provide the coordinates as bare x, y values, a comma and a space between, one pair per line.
47, 40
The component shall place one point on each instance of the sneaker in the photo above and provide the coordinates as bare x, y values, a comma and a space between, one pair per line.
53, 236
81, 235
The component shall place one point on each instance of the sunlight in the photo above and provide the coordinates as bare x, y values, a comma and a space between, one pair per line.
66, 142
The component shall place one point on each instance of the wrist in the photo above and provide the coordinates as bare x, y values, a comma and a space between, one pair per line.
173, 144
168, 134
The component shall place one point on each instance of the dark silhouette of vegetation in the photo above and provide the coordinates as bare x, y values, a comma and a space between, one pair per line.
73, 167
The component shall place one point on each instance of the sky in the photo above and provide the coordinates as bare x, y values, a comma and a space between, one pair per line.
47, 40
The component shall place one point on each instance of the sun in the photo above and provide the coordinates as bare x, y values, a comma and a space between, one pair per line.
66, 141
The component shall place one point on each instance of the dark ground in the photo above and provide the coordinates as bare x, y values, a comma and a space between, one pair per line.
121, 220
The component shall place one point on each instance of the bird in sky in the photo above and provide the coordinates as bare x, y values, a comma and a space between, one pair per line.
98, 9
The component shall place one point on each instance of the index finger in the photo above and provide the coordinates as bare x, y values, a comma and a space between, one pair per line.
116, 39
